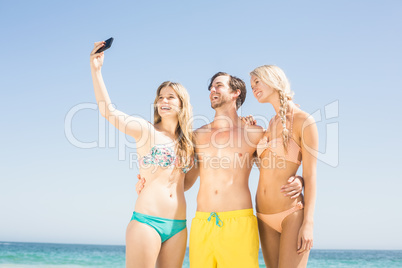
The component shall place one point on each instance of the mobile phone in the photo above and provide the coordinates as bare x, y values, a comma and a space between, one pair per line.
108, 44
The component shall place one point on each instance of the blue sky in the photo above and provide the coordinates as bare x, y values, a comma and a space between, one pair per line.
343, 55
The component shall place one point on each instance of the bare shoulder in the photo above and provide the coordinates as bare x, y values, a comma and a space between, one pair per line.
199, 132
302, 120
254, 133
255, 129
203, 129
301, 116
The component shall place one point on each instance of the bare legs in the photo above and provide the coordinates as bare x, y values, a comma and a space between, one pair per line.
173, 250
144, 248
270, 240
137, 254
280, 249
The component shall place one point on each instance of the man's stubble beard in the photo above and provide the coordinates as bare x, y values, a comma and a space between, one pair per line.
220, 104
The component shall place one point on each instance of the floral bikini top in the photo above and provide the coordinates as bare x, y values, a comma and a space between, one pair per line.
162, 156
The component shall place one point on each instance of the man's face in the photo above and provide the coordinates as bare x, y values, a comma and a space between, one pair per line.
220, 91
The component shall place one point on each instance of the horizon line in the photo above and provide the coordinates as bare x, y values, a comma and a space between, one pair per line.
120, 245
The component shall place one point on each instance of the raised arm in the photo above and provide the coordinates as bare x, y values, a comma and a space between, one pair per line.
133, 126
309, 147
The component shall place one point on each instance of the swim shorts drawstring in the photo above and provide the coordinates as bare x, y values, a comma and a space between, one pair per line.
218, 221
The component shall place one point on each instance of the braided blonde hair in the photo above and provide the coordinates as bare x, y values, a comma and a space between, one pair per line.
184, 130
274, 77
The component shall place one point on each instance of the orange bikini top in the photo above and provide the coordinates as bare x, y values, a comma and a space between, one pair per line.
277, 148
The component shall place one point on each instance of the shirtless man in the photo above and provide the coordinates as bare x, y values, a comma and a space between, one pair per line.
224, 231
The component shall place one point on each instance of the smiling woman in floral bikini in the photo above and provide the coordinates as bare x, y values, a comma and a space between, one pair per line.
157, 233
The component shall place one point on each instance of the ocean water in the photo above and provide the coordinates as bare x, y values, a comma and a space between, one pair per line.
33, 255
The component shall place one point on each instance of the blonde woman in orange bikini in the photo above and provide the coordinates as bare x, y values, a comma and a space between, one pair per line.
285, 225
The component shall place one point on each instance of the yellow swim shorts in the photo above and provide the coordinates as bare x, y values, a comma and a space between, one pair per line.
224, 239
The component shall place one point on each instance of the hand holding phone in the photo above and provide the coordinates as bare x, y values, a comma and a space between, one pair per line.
108, 44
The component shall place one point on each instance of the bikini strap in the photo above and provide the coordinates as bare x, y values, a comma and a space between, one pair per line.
273, 119
291, 123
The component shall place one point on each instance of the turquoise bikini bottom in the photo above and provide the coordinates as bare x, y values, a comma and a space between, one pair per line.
166, 228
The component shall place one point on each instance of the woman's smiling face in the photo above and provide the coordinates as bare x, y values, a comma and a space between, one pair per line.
168, 102
261, 91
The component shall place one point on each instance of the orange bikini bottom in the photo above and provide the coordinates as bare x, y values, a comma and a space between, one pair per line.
275, 220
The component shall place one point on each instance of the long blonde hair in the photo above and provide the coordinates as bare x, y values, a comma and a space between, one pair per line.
184, 130
274, 77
